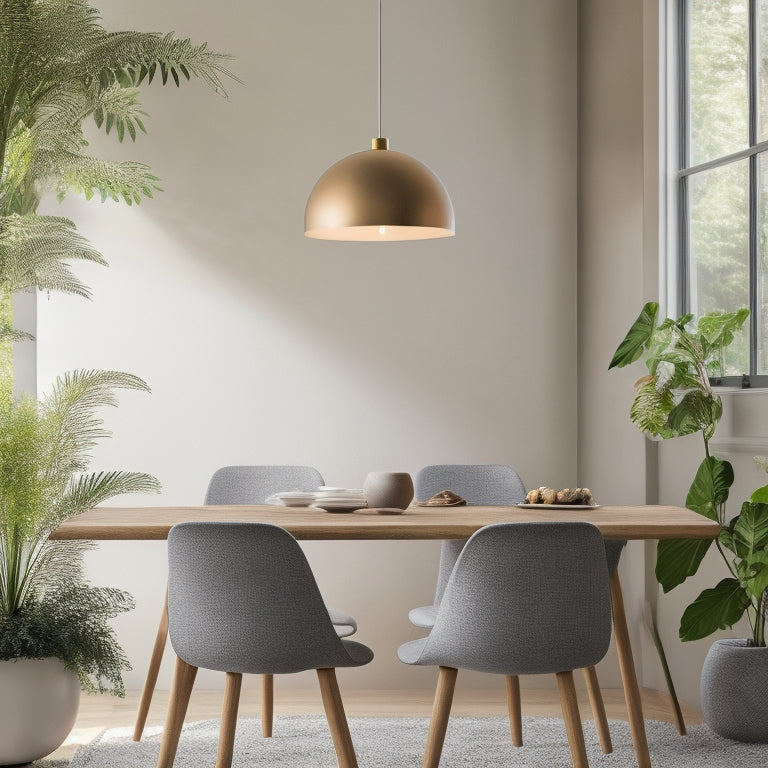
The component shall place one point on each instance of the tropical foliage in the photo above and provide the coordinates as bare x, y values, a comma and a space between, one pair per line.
674, 399
58, 68
46, 607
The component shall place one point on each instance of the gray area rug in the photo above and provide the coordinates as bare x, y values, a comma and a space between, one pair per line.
398, 742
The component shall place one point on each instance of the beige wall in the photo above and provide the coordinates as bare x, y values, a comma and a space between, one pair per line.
611, 278
264, 347
620, 186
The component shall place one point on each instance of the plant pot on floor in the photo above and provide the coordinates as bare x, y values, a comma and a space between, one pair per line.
38, 707
734, 681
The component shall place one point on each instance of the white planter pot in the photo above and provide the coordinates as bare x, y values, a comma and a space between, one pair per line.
734, 682
38, 707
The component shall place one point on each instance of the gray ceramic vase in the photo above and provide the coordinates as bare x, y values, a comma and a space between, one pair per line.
734, 681
391, 490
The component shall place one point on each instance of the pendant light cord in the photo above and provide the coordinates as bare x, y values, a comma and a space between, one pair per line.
379, 134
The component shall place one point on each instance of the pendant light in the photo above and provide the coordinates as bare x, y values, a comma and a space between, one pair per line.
378, 194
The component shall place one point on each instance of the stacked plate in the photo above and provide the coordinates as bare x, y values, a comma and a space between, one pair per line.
333, 499
293, 498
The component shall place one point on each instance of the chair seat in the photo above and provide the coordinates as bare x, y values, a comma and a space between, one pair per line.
359, 654
410, 652
343, 623
423, 616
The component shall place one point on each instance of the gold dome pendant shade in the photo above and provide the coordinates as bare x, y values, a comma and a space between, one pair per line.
378, 195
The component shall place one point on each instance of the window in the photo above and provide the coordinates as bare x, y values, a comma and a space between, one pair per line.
721, 171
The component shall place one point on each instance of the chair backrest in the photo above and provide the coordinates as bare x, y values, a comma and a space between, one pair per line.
253, 484
480, 485
525, 598
242, 598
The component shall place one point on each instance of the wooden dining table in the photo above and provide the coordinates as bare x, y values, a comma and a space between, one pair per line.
417, 522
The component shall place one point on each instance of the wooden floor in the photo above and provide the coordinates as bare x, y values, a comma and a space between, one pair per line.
100, 712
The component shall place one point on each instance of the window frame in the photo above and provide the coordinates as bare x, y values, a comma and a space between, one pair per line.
681, 171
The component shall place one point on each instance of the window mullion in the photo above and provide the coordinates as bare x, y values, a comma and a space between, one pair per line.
754, 47
684, 298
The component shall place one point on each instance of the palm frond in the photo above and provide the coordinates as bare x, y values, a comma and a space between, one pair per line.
70, 419
142, 54
119, 106
91, 490
128, 181
34, 251
8, 333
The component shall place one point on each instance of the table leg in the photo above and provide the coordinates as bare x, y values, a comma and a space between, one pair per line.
152, 672
628, 675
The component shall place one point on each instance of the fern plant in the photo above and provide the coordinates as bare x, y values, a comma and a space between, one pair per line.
46, 606
58, 68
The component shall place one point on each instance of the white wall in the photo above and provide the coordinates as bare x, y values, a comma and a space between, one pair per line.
264, 347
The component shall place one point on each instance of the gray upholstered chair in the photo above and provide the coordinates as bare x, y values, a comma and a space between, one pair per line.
482, 485
242, 599
243, 484
523, 598
492, 485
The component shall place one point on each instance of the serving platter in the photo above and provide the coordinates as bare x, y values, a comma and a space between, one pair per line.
559, 506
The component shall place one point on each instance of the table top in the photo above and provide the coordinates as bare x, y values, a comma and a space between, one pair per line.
629, 522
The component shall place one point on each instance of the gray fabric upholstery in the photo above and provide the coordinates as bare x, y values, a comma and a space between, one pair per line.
480, 485
242, 598
254, 484
523, 598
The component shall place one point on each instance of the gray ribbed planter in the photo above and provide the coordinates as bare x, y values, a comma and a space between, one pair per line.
734, 682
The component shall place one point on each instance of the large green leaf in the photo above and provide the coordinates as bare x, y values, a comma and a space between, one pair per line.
719, 328
677, 559
750, 530
760, 495
717, 608
710, 487
697, 411
757, 579
638, 336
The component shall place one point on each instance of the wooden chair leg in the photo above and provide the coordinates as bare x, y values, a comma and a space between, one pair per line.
572, 719
267, 704
232, 687
515, 710
598, 709
337, 720
183, 680
441, 710
154, 668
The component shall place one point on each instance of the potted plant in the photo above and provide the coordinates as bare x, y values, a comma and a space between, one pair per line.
54, 630
674, 399
58, 68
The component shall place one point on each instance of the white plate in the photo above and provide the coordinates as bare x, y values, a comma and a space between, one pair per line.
294, 502
340, 501
559, 506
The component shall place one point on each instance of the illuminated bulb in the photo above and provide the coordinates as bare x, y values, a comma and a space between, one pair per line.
382, 230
